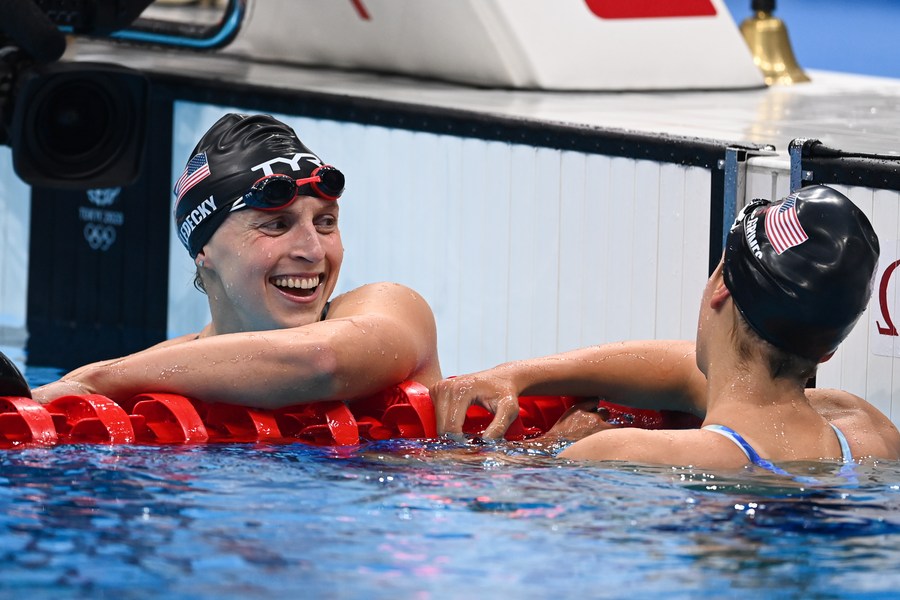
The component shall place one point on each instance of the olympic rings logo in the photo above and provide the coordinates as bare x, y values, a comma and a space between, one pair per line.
99, 237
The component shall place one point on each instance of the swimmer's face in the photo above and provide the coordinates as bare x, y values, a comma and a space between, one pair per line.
273, 269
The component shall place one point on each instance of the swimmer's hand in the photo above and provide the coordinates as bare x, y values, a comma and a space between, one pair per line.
453, 397
580, 421
63, 387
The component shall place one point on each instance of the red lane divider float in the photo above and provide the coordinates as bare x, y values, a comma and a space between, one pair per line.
24, 421
402, 411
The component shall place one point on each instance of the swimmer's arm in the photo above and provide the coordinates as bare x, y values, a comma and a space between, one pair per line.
71, 384
659, 447
648, 374
375, 337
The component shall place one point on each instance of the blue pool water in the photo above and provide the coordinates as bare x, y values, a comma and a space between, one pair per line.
408, 519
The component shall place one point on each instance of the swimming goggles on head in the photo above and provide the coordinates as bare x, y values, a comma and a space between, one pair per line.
278, 190
746, 210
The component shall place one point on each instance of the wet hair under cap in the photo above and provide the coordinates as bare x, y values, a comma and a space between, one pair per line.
800, 270
236, 152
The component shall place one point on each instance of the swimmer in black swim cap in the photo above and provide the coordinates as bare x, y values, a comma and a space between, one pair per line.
258, 212
795, 277
800, 270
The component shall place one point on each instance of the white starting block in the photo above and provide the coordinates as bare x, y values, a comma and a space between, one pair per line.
523, 44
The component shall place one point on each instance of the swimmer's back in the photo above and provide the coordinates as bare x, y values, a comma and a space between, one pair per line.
870, 433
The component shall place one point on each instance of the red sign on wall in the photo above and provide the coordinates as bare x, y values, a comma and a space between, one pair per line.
650, 9
888, 328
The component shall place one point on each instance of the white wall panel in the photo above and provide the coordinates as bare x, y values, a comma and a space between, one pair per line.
485, 225
15, 215
619, 258
543, 284
576, 234
525, 242
695, 251
671, 267
594, 272
481, 244
645, 293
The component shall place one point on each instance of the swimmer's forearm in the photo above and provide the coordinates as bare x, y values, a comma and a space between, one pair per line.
648, 374
337, 360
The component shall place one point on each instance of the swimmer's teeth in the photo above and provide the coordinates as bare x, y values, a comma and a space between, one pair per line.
303, 283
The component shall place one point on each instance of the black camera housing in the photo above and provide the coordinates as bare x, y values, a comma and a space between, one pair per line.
79, 125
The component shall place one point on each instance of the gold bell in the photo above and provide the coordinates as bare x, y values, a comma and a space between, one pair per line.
768, 41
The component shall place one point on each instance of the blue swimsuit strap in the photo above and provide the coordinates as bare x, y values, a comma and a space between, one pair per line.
756, 459
752, 455
846, 455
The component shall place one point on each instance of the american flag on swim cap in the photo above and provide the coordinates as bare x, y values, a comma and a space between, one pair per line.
196, 171
783, 228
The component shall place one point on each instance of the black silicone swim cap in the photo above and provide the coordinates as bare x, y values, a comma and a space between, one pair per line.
236, 152
800, 270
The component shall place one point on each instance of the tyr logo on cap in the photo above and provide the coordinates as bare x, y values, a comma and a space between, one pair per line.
294, 162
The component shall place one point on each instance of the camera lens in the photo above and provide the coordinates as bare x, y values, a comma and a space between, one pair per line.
74, 123
79, 125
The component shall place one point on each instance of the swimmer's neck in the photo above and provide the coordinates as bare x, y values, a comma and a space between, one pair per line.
733, 382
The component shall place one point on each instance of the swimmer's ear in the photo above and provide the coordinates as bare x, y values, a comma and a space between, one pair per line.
719, 295
200, 259
827, 357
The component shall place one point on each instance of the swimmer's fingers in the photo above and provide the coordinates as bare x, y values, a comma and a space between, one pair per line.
453, 397
451, 401
506, 409
580, 421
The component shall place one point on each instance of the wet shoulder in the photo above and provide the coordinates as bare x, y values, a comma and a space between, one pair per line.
869, 431
376, 297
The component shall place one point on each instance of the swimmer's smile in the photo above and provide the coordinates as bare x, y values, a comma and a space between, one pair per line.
298, 286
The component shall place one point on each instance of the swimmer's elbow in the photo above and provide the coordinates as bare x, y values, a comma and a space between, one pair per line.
326, 371
313, 376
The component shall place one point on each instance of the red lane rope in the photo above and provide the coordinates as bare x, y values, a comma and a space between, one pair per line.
402, 411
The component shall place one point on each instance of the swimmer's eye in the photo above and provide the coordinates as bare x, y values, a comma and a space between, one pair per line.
326, 223
274, 226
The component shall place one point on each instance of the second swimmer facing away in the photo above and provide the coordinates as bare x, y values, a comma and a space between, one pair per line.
258, 213
795, 277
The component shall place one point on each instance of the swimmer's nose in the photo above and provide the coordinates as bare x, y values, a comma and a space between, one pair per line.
307, 245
